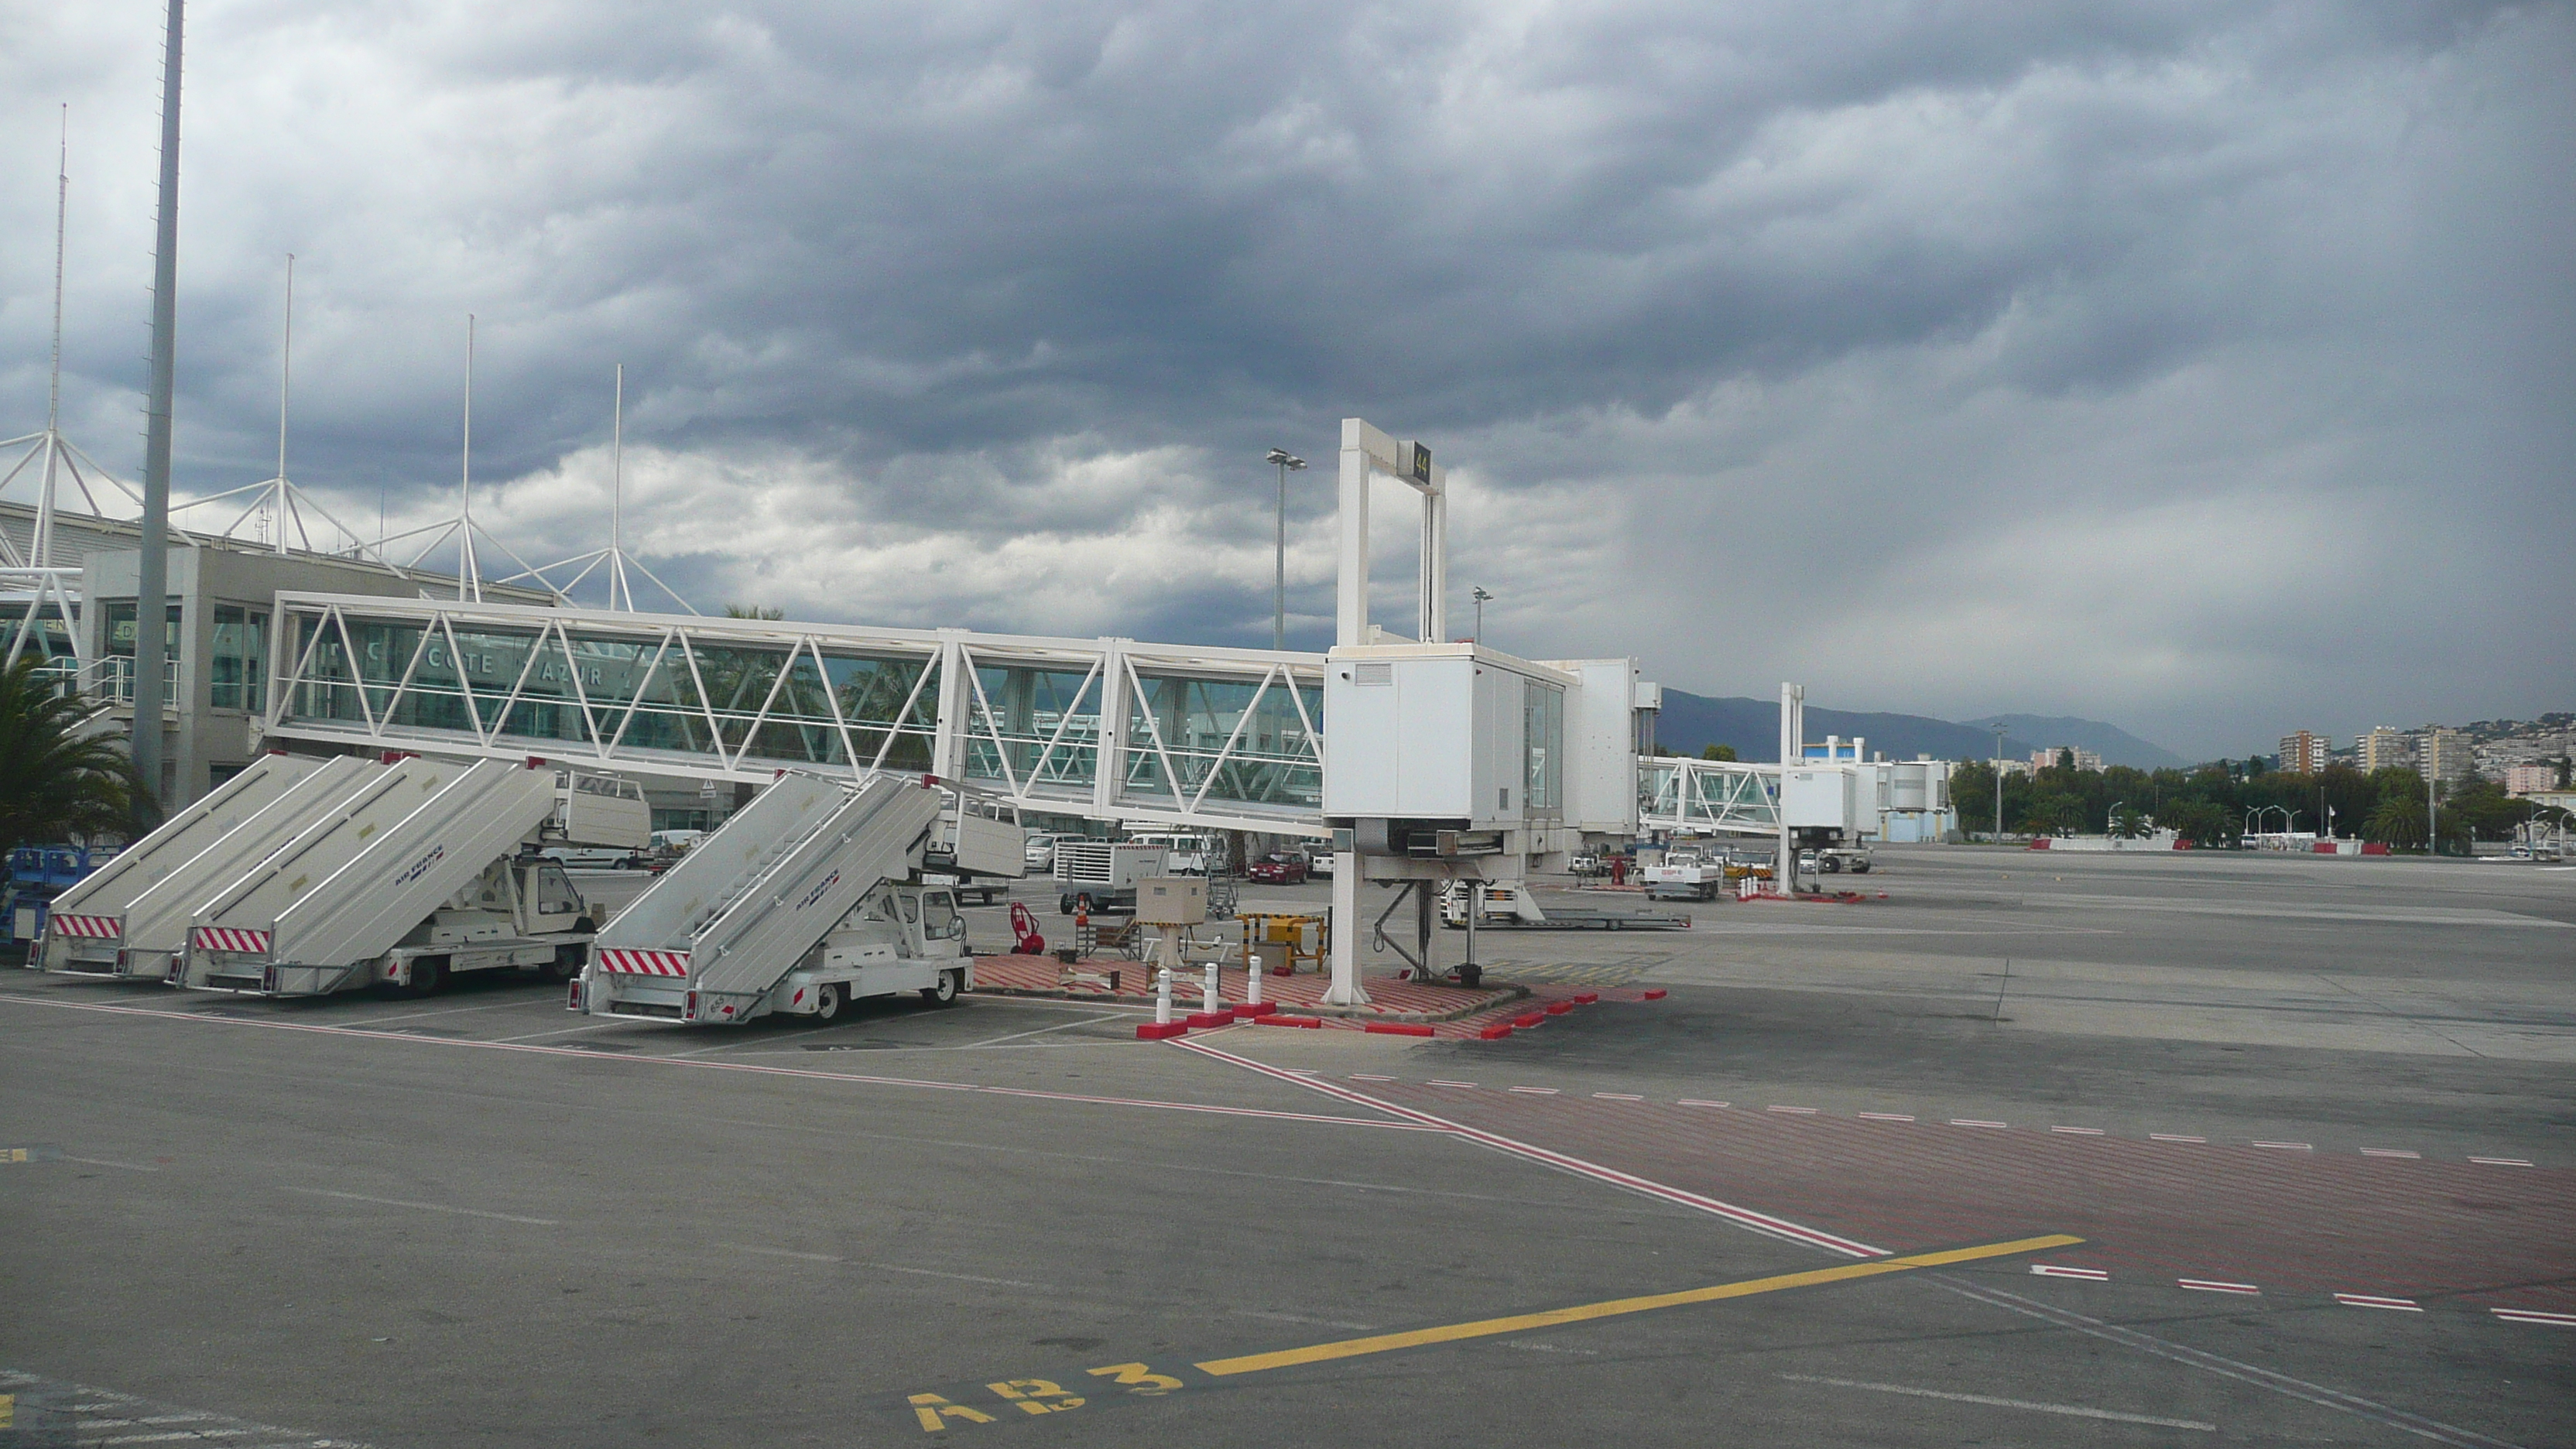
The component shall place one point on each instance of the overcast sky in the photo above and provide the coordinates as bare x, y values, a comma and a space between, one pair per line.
2201, 367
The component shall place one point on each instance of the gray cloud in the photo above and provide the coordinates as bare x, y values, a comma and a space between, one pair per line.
2200, 366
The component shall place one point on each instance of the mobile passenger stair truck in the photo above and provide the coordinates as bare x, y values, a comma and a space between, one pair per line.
1687, 873
1510, 906
130, 918
807, 899
424, 870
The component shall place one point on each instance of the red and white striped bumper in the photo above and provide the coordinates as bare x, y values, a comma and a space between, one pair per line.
630, 961
94, 928
229, 938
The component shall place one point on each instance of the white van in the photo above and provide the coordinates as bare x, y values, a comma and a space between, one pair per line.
1183, 854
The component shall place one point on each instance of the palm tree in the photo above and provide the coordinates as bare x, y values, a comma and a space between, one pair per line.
54, 784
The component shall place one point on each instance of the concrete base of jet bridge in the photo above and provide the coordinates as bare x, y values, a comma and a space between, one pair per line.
1421, 1008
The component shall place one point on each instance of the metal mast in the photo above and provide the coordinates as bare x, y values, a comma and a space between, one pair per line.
620, 595
42, 544
285, 373
469, 578
152, 576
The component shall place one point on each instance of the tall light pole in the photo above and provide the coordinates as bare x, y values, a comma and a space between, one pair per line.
1482, 598
152, 579
1998, 728
1287, 463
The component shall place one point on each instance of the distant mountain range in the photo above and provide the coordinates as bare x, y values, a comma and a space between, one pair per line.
1691, 721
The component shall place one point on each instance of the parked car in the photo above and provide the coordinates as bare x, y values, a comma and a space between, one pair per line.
1041, 852
1319, 862
1279, 867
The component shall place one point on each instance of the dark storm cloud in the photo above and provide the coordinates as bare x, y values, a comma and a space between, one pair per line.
980, 313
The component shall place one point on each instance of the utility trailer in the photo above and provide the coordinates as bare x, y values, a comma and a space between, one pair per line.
85, 933
423, 871
1099, 877
802, 902
1510, 906
1686, 873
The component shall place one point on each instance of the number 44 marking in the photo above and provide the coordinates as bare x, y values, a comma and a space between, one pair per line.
1038, 1396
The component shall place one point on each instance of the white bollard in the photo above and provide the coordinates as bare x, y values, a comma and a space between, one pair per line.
1213, 1004
1163, 997
1251, 978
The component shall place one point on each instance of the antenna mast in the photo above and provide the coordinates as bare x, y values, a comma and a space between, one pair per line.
469, 578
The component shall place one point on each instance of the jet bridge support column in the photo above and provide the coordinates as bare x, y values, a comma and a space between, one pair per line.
1345, 989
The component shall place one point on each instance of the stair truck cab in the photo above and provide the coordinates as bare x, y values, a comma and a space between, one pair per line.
979, 848
806, 899
423, 871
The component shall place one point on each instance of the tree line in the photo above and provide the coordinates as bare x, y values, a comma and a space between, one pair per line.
2220, 802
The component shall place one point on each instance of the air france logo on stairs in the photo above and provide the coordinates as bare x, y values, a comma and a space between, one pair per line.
421, 866
816, 894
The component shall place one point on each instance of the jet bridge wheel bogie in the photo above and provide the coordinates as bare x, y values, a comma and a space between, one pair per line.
943, 991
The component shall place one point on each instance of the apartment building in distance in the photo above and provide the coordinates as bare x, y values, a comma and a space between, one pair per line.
2387, 749
2303, 753
2445, 754
2530, 779
2084, 759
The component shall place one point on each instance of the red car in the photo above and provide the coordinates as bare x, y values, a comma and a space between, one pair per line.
1277, 868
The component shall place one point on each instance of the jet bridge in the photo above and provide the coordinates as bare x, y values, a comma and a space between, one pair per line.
712, 938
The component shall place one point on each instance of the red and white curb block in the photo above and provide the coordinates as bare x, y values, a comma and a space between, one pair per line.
2534, 1315
94, 928
2054, 1270
229, 938
634, 961
2213, 1285
2373, 1300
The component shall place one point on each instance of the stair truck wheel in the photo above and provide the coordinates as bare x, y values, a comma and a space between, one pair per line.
944, 990
428, 974
569, 957
828, 1004
1830, 864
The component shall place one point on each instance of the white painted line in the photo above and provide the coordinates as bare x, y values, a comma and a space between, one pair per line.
427, 1207
2206, 1285
2288, 1146
2373, 1300
1534, 1091
2534, 1315
1042, 1031
1618, 1097
1760, 1222
1793, 1111
1696, 1102
2502, 1161
558, 1031
2052, 1270
104, 1162
2077, 1411
180, 1434
2389, 1152
1886, 1117
1469, 1085
782, 1253
1973, 1122
880, 1267
2078, 1131
1365, 1077
2173, 1137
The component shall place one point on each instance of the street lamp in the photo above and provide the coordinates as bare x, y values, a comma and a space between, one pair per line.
2111, 818
1287, 463
1998, 728
1482, 599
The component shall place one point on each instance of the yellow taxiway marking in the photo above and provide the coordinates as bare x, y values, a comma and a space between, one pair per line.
1586, 1312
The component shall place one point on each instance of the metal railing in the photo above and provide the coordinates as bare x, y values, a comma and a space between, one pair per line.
107, 681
